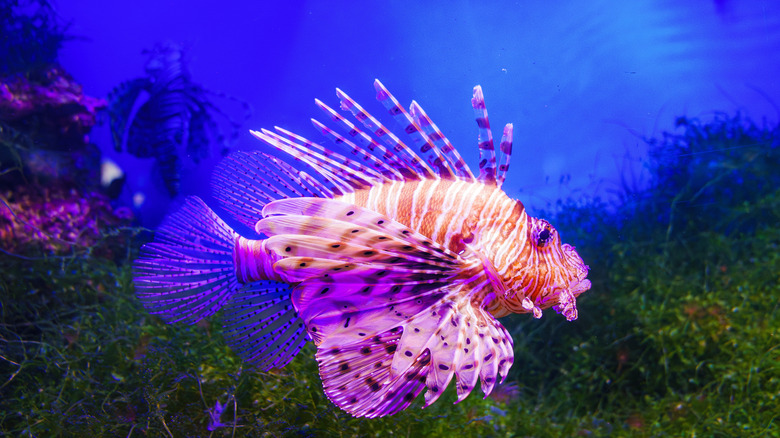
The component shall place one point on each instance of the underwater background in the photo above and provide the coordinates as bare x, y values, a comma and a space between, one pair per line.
646, 131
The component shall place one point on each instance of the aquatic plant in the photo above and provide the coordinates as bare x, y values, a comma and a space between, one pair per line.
711, 170
45, 119
32, 36
678, 337
166, 116
688, 273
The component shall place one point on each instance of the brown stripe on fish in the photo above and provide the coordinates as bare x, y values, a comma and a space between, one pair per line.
488, 218
452, 212
514, 237
442, 209
461, 219
403, 202
427, 207
464, 217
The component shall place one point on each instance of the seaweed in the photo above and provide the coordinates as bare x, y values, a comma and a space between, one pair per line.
30, 41
44, 115
166, 116
45, 119
678, 338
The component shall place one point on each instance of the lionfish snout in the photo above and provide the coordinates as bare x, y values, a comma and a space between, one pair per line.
577, 283
577, 269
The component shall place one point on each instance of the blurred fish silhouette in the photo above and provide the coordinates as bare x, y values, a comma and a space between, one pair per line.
396, 263
166, 116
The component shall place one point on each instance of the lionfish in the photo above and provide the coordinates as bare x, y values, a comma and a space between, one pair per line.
395, 261
167, 116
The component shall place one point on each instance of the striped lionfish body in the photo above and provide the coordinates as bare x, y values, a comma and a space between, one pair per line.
395, 261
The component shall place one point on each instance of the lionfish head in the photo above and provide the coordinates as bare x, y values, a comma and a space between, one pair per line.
552, 274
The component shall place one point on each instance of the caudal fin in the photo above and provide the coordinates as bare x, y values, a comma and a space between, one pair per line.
188, 272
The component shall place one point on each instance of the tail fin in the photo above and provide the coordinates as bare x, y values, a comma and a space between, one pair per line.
188, 272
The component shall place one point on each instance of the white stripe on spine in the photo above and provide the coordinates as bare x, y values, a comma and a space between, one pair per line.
515, 241
469, 193
487, 222
499, 214
349, 197
414, 208
428, 193
374, 195
447, 212
393, 199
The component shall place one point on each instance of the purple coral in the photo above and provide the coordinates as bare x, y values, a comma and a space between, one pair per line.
49, 103
56, 220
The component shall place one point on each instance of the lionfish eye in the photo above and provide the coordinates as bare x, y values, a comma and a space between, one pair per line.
544, 237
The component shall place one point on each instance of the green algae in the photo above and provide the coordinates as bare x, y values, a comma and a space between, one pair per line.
678, 336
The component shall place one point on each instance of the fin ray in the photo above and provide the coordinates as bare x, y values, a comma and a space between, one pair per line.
420, 169
187, 273
356, 378
400, 168
388, 172
262, 326
408, 125
245, 182
506, 154
456, 162
487, 151
354, 291
358, 218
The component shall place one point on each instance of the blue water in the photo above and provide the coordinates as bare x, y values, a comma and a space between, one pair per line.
582, 81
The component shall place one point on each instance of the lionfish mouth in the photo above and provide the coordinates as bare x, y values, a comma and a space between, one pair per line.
567, 298
580, 286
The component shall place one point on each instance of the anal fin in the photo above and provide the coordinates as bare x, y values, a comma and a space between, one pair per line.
262, 326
